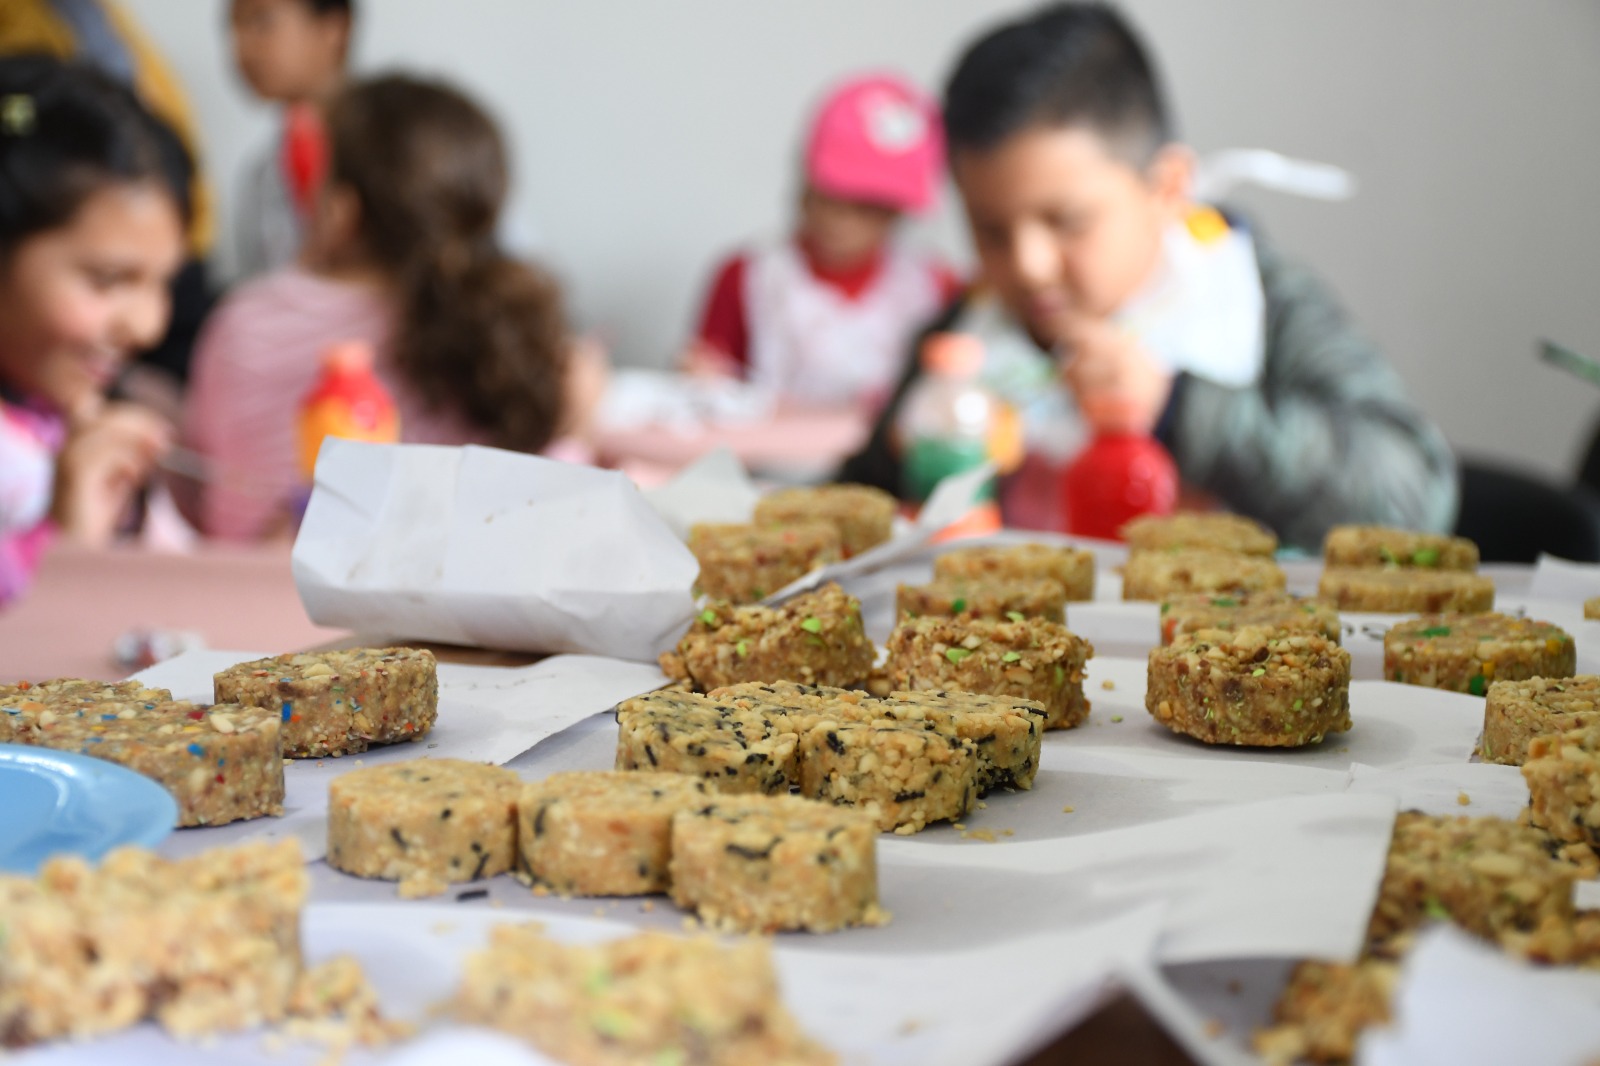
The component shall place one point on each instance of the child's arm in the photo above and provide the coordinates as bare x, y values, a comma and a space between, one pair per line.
1326, 437
721, 344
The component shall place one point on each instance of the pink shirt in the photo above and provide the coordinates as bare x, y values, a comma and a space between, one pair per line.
30, 437
258, 356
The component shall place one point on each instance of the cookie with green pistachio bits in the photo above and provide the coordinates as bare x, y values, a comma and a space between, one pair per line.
1516, 712
1470, 652
602, 832
1383, 546
1029, 659
816, 638
650, 998
1250, 687
1236, 610
1495, 878
988, 597
759, 864
426, 823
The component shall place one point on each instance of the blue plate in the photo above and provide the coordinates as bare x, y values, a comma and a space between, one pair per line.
55, 801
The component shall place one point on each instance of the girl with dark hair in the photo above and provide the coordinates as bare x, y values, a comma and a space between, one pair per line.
93, 209
401, 254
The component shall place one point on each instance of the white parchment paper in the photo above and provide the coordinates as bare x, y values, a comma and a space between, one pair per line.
1240, 881
483, 547
1563, 580
1462, 1003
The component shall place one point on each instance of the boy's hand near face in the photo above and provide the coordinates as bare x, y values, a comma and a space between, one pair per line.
1119, 386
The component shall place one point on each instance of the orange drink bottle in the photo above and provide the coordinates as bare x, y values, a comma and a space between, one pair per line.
347, 401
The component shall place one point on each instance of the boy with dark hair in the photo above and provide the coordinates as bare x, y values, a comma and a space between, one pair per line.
292, 53
1112, 302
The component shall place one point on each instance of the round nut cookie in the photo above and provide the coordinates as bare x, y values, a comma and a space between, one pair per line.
1251, 687
1469, 652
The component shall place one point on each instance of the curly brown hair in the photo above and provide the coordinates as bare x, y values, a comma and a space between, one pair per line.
481, 334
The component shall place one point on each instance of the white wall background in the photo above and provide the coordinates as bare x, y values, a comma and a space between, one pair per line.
651, 137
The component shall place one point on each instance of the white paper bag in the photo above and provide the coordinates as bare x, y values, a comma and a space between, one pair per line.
483, 547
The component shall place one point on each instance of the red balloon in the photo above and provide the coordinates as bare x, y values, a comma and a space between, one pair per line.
1118, 477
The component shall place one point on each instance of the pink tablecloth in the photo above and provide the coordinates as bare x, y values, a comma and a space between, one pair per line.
66, 626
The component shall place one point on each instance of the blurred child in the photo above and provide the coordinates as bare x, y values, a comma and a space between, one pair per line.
401, 254
93, 205
1159, 315
103, 35
291, 53
824, 317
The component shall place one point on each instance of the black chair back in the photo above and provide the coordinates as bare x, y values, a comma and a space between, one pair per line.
1513, 516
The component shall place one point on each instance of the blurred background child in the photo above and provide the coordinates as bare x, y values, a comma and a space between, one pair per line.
291, 53
93, 206
1107, 288
101, 34
824, 317
401, 255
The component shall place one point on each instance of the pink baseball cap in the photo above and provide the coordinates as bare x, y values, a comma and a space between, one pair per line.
877, 139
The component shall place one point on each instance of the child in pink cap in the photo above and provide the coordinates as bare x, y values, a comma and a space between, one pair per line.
825, 317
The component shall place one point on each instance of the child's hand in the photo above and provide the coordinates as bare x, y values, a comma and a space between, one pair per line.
1120, 388
107, 457
703, 360
588, 375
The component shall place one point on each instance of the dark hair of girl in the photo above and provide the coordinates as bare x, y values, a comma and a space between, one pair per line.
66, 132
480, 334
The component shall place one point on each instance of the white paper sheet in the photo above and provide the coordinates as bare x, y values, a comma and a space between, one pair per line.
1564, 581
714, 488
1487, 789
921, 1008
1462, 1003
486, 714
1288, 877
488, 548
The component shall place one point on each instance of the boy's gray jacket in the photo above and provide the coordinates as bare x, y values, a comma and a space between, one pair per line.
1325, 436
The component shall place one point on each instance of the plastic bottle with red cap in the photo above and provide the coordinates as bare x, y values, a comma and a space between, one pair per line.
951, 423
347, 401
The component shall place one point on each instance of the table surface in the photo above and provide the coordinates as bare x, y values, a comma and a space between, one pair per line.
67, 625
245, 599
791, 443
